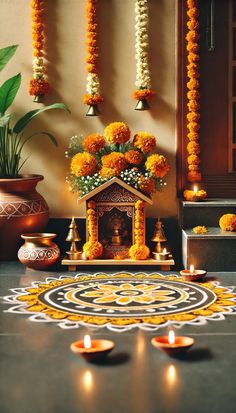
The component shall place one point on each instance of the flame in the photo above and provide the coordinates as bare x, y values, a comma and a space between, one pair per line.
191, 269
171, 337
87, 342
195, 188
164, 251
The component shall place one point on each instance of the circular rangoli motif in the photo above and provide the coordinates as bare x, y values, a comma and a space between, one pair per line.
121, 301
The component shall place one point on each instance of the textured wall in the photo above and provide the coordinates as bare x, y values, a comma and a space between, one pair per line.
65, 30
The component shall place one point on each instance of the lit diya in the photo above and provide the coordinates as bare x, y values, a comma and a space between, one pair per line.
171, 344
92, 350
194, 194
192, 274
162, 256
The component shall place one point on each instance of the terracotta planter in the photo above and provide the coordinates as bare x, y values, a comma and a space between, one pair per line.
22, 209
39, 251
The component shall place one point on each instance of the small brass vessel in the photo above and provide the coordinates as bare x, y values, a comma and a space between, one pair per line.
39, 251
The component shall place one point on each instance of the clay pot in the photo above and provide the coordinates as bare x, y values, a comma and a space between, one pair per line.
22, 209
39, 251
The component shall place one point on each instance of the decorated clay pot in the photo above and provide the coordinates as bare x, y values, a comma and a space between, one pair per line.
22, 209
39, 251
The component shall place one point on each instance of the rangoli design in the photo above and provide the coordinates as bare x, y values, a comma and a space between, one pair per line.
122, 301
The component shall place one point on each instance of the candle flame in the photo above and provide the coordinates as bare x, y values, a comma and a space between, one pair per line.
171, 337
191, 269
87, 341
195, 188
164, 250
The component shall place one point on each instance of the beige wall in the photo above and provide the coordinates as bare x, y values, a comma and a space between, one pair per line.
67, 74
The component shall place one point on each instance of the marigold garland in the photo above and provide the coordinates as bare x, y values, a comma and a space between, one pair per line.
93, 96
39, 85
139, 251
143, 81
92, 248
193, 95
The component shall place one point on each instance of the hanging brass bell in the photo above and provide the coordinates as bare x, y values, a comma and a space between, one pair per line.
93, 111
38, 99
142, 105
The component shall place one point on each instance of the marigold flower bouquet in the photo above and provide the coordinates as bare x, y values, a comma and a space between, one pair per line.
97, 158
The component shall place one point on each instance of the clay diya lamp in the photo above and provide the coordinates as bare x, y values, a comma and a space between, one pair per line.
192, 274
92, 350
171, 344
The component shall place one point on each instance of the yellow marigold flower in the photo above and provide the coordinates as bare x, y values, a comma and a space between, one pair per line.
193, 94
193, 167
139, 205
115, 161
193, 136
117, 132
93, 143
193, 126
133, 157
194, 176
193, 105
200, 229
144, 141
157, 165
139, 252
193, 84
193, 148
146, 184
93, 249
193, 160
107, 172
83, 164
228, 222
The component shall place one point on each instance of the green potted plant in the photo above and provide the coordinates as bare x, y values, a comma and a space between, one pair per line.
22, 208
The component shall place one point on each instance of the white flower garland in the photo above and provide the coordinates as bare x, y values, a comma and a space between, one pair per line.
93, 84
143, 80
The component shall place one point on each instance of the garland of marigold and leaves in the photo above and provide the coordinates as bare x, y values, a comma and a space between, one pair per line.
193, 95
92, 248
139, 251
93, 96
98, 158
143, 80
39, 85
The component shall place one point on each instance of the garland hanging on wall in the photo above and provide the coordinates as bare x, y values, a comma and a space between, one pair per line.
39, 86
143, 81
193, 95
93, 97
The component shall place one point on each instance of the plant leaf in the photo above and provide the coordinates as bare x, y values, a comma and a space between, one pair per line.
6, 53
49, 135
23, 122
8, 92
4, 120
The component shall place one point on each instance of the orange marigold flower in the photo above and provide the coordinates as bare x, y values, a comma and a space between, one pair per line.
141, 94
193, 12
193, 136
193, 126
193, 24
157, 165
146, 184
92, 204
139, 205
92, 250
192, 36
193, 167
144, 141
139, 252
39, 87
193, 94
93, 143
115, 161
193, 160
83, 164
107, 172
193, 148
93, 99
92, 68
194, 176
193, 105
193, 57
193, 84
193, 117
228, 222
133, 157
192, 47
117, 132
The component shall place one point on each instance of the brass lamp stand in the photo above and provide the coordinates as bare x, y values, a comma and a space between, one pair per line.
73, 237
159, 235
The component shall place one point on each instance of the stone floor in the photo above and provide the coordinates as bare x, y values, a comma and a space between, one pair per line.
39, 373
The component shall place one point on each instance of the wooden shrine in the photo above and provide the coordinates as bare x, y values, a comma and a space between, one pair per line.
114, 205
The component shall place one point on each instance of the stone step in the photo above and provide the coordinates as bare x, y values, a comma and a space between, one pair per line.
214, 251
207, 212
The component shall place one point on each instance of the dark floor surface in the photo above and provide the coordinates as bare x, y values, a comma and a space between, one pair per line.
39, 374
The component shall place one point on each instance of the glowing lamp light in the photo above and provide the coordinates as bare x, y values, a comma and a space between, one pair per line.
87, 341
195, 189
171, 337
191, 269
